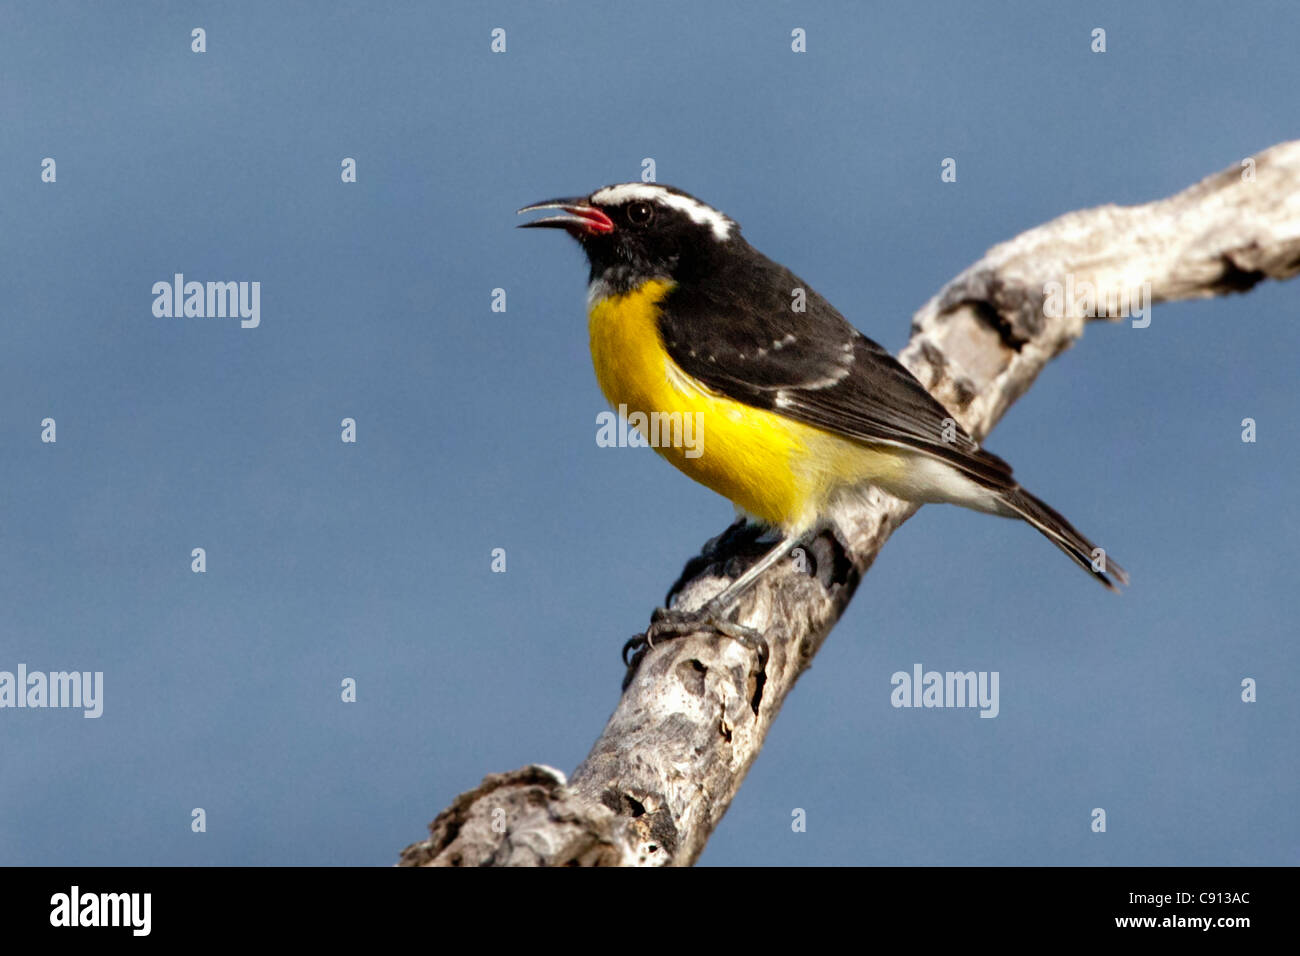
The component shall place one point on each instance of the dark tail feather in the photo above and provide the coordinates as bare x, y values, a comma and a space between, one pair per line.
1065, 536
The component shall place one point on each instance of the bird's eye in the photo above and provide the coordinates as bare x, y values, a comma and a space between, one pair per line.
639, 213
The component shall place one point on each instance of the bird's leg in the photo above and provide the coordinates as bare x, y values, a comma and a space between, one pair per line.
670, 623
740, 537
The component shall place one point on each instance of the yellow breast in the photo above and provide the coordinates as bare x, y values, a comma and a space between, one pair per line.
772, 467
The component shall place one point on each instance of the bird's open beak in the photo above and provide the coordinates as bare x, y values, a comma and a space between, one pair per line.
580, 218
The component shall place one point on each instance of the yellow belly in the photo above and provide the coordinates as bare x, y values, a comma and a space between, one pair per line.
770, 466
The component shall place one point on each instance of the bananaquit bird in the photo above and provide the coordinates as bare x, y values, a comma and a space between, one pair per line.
799, 409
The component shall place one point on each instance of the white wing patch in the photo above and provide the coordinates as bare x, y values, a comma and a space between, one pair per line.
699, 212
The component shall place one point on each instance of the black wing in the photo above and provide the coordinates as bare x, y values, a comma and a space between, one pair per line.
742, 338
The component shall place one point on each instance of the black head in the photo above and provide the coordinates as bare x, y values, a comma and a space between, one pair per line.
637, 231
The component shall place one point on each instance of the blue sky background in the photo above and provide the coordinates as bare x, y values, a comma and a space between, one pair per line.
477, 429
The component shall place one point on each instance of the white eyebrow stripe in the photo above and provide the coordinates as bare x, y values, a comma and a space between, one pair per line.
650, 192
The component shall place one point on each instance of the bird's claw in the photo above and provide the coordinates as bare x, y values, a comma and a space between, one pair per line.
667, 624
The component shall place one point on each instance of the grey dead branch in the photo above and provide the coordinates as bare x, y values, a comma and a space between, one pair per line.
673, 755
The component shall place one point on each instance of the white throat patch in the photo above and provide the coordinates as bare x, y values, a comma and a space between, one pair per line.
699, 212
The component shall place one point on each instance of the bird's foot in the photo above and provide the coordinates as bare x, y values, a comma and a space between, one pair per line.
667, 624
